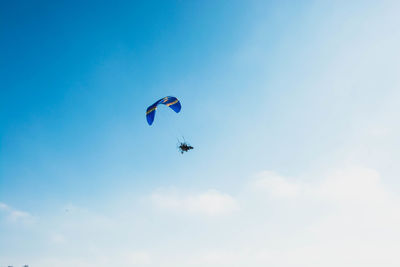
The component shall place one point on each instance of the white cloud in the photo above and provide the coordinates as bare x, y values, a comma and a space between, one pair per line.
357, 222
3, 206
58, 238
105, 259
353, 185
13, 215
138, 258
275, 185
346, 217
211, 202
347, 186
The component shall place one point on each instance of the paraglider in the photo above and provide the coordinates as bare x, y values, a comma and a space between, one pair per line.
184, 147
175, 105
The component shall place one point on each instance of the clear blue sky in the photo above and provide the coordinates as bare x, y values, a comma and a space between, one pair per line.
77, 79
272, 93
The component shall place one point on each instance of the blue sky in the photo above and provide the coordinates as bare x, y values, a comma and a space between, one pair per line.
77, 88
291, 107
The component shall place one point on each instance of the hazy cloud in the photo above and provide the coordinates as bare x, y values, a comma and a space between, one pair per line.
211, 202
14, 215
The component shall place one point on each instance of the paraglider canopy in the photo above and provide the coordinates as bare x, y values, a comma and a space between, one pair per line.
169, 101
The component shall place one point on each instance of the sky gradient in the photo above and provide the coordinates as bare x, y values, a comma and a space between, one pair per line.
292, 108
